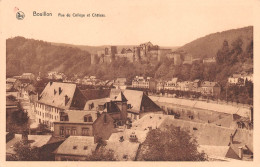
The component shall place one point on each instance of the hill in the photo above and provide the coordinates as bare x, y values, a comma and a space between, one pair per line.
29, 55
208, 46
94, 49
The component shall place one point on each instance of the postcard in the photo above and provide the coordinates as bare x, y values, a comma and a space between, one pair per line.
129, 83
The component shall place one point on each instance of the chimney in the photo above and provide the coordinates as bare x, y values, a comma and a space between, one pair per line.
60, 90
231, 139
240, 152
66, 98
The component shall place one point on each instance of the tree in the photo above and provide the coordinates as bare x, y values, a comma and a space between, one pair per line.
171, 144
101, 154
24, 152
222, 54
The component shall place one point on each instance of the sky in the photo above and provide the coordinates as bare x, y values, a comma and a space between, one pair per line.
165, 23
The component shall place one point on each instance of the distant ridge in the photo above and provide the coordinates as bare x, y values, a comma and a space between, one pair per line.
94, 49
209, 45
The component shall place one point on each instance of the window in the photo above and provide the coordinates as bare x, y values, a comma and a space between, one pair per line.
88, 118
62, 130
85, 147
75, 147
85, 131
74, 131
68, 131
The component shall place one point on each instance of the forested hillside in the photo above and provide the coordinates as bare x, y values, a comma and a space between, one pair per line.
28, 55
208, 46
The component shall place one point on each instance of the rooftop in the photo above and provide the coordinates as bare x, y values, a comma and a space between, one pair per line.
36, 141
54, 94
77, 145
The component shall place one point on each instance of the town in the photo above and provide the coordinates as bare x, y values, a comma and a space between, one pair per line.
88, 118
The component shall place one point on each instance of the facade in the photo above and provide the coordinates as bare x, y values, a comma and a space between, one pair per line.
84, 123
120, 83
176, 57
171, 85
89, 80
29, 76
210, 88
240, 79
141, 82
209, 60
56, 98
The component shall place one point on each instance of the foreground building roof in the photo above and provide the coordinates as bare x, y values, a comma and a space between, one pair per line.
77, 146
62, 95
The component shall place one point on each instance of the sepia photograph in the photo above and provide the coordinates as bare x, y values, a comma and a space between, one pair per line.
146, 81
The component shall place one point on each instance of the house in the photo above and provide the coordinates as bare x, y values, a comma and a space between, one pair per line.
45, 143
141, 82
115, 106
29, 76
139, 104
171, 85
160, 85
236, 79
11, 107
210, 88
57, 97
125, 144
84, 123
183, 86
209, 60
11, 81
120, 83
75, 148
195, 85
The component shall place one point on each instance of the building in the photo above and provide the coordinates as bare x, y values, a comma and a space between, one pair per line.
160, 85
29, 76
210, 88
139, 104
195, 85
216, 141
75, 148
57, 97
89, 80
240, 79
209, 60
115, 107
84, 123
236, 79
171, 85
183, 86
129, 55
120, 83
46, 144
176, 57
141, 82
